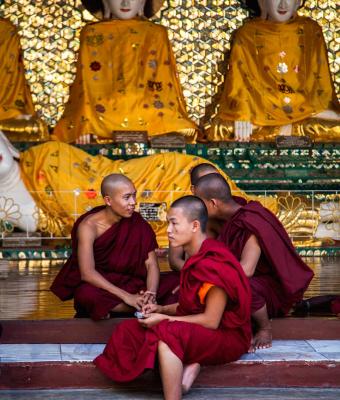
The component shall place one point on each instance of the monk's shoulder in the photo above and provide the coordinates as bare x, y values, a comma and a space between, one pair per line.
139, 222
91, 224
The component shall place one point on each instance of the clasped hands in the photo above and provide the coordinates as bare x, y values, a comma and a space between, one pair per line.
141, 299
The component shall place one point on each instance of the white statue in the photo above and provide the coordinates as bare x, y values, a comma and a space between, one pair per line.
21, 207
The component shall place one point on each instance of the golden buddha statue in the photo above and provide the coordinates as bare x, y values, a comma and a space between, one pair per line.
126, 79
278, 81
17, 116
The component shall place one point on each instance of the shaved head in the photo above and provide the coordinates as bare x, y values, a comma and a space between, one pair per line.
200, 170
213, 186
194, 209
111, 182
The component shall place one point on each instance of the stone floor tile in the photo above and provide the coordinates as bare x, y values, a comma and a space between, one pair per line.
289, 346
292, 356
331, 356
250, 357
325, 346
29, 352
80, 352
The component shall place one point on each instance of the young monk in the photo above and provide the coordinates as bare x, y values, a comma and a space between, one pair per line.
113, 267
177, 255
209, 325
278, 276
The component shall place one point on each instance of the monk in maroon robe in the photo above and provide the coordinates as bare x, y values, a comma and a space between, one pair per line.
177, 255
209, 325
278, 276
113, 266
319, 305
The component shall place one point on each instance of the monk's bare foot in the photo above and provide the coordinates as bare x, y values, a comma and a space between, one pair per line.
262, 340
190, 373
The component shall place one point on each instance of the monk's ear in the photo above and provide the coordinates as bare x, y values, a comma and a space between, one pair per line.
107, 200
196, 226
214, 203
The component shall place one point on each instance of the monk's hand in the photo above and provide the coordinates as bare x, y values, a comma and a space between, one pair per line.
151, 308
148, 296
134, 300
152, 319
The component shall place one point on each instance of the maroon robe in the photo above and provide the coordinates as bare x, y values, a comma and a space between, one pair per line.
120, 254
132, 348
281, 277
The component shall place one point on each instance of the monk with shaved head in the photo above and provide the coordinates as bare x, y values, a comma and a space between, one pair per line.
177, 255
278, 276
113, 267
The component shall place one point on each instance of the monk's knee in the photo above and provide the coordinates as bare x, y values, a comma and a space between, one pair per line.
85, 296
162, 346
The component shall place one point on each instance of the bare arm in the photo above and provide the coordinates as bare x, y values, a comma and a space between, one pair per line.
216, 301
152, 279
250, 256
86, 238
169, 309
176, 258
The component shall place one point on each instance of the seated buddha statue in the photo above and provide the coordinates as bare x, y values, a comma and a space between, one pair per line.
17, 116
278, 81
126, 79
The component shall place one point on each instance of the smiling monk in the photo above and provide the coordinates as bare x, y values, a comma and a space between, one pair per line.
113, 266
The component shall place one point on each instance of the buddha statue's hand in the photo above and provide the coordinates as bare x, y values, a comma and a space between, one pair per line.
328, 114
26, 117
243, 130
286, 130
85, 139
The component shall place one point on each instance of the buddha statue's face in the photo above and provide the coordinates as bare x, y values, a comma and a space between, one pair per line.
124, 9
278, 10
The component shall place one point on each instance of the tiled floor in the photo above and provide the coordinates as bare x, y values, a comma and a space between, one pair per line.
25, 294
282, 350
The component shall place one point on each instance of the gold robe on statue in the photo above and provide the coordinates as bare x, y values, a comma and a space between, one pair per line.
65, 183
15, 96
126, 80
278, 75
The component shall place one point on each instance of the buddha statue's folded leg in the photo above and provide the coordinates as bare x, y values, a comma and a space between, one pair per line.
319, 130
223, 130
32, 129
